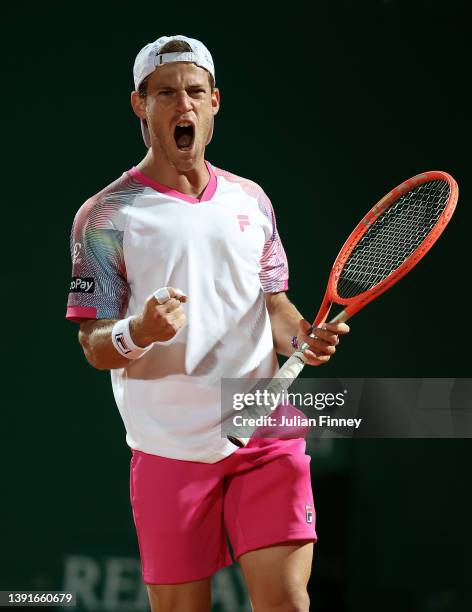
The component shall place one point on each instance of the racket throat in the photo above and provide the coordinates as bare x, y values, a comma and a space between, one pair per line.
341, 317
324, 311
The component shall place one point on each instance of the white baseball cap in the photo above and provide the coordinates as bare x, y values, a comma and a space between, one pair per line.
150, 58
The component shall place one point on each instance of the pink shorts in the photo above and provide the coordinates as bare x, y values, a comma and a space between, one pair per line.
184, 511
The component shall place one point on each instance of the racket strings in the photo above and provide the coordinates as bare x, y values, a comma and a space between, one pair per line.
393, 237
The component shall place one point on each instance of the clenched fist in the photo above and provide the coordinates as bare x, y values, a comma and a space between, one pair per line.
158, 322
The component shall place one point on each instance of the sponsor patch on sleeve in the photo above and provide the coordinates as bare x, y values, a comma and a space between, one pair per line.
82, 284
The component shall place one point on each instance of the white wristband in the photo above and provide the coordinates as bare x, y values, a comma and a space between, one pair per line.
122, 341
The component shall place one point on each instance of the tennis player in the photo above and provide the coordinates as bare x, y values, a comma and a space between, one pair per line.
179, 280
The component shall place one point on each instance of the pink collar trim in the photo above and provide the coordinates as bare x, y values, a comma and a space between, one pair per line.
207, 194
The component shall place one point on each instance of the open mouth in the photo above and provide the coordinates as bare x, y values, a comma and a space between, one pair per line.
184, 134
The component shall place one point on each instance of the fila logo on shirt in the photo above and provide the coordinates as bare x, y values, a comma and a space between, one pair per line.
82, 284
243, 221
309, 514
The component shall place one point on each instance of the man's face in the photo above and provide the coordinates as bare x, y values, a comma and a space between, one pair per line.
179, 108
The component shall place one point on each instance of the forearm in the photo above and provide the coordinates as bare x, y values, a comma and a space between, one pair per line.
95, 338
158, 322
284, 319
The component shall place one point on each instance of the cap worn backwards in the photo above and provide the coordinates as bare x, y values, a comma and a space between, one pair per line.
150, 58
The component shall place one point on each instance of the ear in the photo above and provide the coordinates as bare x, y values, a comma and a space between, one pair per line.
210, 131
138, 104
215, 100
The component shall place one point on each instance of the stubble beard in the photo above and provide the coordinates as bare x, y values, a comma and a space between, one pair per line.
168, 150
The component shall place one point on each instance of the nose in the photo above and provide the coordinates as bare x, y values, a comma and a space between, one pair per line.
184, 102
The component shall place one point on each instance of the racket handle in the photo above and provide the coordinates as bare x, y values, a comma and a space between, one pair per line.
292, 367
288, 372
241, 442
280, 383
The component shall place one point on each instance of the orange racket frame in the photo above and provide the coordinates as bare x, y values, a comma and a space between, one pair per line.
357, 302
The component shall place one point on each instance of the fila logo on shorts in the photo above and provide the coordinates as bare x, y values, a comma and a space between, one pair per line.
309, 514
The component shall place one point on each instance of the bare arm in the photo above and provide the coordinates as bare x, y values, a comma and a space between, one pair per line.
157, 323
284, 319
95, 338
286, 322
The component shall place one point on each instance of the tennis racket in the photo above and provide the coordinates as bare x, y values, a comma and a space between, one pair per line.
385, 245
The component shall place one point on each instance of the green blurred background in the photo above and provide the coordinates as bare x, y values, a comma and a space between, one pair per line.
327, 105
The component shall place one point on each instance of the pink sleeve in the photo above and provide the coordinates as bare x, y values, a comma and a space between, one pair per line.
274, 266
99, 288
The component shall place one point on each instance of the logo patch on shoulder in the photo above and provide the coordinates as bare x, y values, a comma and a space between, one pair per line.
82, 284
76, 252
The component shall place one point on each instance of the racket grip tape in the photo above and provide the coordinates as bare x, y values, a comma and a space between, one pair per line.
293, 366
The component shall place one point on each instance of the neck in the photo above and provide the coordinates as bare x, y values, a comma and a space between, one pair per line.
191, 182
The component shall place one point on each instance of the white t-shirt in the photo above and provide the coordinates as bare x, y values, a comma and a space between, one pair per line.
223, 251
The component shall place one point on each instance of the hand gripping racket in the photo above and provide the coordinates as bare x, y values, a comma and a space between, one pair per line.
385, 245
